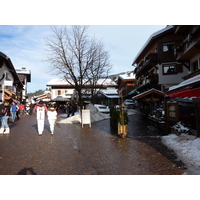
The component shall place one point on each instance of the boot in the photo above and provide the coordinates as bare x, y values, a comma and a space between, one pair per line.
7, 130
1, 130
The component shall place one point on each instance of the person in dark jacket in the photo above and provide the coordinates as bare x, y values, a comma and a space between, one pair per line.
5, 114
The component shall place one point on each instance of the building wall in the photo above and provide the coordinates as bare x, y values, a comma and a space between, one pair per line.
57, 92
194, 59
171, 79
6, 82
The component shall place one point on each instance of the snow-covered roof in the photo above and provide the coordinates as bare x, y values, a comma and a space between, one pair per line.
147, 92
127, 76
101, 81
57, 82
153, 36
110, 93
23, 71
185, 83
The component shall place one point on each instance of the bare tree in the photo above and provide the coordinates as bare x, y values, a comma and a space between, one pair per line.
76, 57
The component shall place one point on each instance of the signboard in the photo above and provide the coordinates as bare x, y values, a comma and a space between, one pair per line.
8, 83
172, 111
86, 118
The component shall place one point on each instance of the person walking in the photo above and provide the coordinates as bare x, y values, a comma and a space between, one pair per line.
5, 114
52, 116
14, 109
74, 107
40, 110
69, 110
21, 108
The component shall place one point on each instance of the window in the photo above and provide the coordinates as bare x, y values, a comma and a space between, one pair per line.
169, 69
168, 47
195, 65
59, 92
8, 76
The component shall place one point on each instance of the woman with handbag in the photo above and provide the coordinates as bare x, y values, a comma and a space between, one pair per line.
5, 114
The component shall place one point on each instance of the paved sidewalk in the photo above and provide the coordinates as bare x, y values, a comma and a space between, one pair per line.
74, 150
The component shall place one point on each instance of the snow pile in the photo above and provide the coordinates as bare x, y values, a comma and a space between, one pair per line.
180, 127
62, 119
95, 116
187, 149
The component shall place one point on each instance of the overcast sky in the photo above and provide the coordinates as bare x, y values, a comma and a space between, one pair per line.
25, 45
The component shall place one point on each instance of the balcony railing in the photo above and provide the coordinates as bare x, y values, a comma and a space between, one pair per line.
190, 45
147, 63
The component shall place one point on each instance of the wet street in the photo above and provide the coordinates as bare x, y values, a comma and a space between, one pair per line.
74, 150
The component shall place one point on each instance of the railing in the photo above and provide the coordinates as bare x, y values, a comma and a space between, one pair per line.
151, 58
187, 43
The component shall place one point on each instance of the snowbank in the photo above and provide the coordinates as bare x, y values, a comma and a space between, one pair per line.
187, 149
95, 116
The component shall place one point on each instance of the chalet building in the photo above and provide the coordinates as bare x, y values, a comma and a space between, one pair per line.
107, 97
62, 91
126, 82
187, 93
156, 68
10, 85
25, 77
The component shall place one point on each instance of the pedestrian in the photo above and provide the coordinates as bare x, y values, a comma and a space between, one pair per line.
21, 109
52, 116
31, 108
74, 107
40, 110
14, 109
69, 109
5, 114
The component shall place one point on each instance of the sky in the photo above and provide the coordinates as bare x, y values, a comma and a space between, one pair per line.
124, 26
25, 46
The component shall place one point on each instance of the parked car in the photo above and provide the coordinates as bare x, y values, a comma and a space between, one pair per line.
102, 108
129, 103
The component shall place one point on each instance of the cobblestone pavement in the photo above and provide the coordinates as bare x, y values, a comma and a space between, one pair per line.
74, 150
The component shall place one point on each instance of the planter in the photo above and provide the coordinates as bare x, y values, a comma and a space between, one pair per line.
123, 130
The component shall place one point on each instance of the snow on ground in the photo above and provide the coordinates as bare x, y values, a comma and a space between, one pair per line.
187, 149
95, 115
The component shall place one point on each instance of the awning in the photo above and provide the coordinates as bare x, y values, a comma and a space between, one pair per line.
136, 90
185, 92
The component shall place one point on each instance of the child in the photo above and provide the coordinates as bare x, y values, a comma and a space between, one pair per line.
52, 116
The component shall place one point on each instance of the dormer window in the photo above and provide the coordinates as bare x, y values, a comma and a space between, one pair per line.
8, 78
168, 47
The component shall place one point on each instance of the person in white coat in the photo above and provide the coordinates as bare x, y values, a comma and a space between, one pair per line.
40, 110
52, 116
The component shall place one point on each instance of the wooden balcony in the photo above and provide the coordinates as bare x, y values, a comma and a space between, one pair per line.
189, 47
149, 61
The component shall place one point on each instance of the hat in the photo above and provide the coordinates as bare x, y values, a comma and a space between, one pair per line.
41, 103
